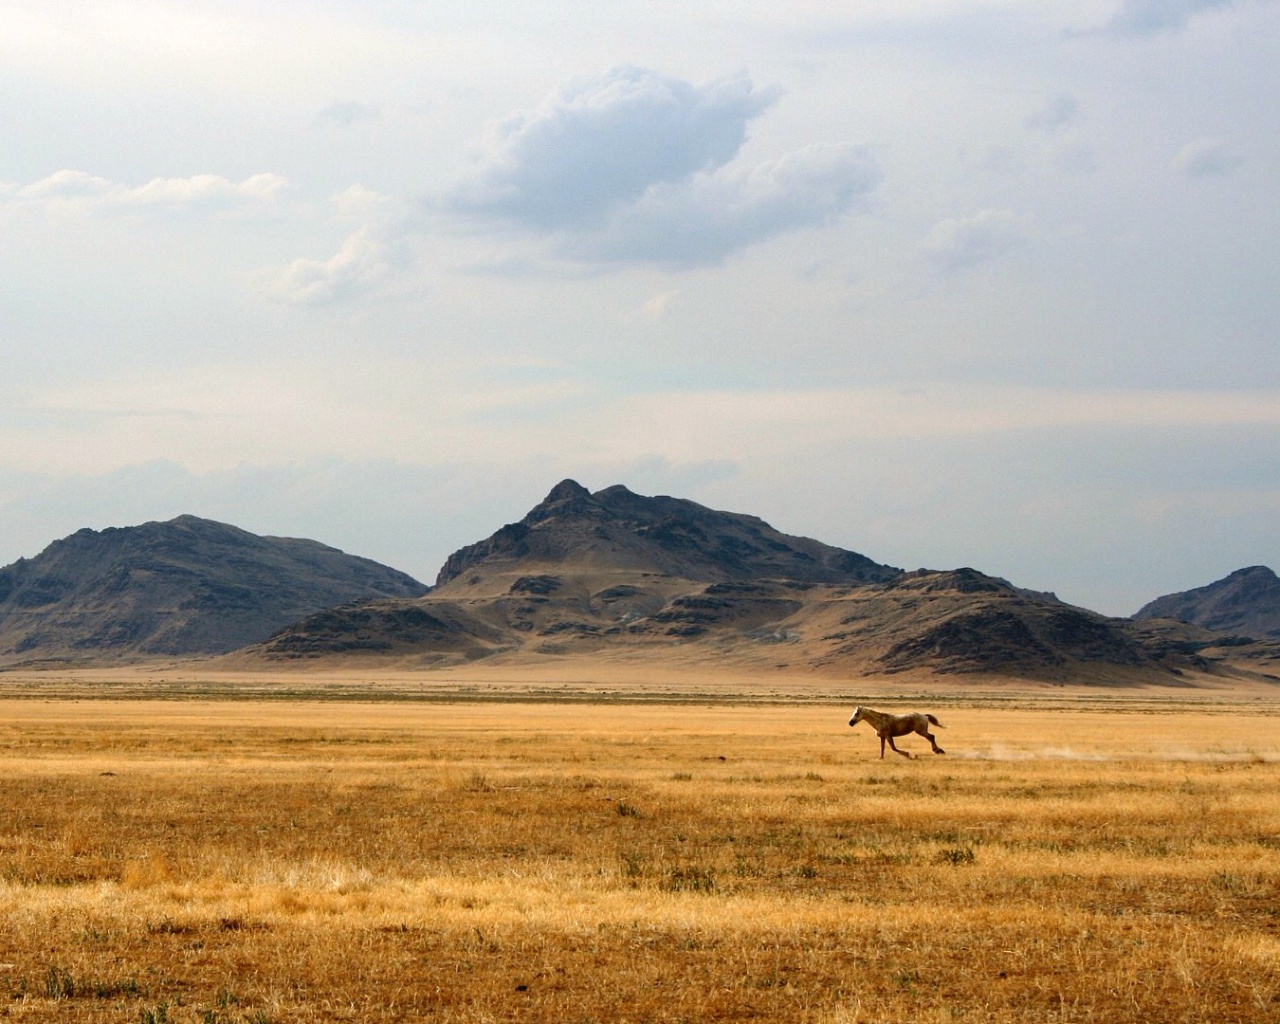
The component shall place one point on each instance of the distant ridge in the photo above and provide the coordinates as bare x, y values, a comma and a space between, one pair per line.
1246, 603
188, 586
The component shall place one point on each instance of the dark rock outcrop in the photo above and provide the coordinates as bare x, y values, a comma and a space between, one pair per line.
618, 529
962, 621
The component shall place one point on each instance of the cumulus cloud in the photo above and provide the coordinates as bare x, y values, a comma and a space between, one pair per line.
361, 203
1205, 158
375, 260
710, 216
598, 142
78, 190
1146, 17
632, 165
361, 263
958, 244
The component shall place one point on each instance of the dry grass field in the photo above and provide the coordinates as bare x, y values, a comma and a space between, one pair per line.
282, 860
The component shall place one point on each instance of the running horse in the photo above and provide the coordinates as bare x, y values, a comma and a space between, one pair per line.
889, 726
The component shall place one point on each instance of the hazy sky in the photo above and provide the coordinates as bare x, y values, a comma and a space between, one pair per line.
983, 283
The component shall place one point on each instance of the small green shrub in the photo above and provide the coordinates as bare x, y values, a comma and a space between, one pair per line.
633, 864
158, 1014
690, 878
58, 983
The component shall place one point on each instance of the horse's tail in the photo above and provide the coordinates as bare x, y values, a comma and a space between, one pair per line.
934, 721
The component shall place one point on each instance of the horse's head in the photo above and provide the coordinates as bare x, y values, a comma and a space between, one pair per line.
857, 717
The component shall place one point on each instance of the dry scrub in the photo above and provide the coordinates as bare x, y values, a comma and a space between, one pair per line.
251, 862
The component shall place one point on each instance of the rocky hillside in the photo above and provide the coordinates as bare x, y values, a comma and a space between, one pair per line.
617, 530
188, 586
1246, 603
604, 575
615, 574
962, 621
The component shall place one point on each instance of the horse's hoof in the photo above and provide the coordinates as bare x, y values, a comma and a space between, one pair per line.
939, 751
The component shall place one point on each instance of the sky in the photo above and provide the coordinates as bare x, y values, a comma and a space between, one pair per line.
945, 283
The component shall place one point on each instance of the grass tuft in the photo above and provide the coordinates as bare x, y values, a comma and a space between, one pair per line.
158, 1014
690, 878
59, 984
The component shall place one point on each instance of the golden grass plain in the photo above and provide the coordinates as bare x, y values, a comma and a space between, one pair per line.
288, 860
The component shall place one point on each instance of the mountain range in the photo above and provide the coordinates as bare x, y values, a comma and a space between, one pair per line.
618, 575
605, 575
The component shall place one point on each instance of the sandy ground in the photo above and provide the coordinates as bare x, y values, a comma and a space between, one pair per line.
596, 680
1230, 731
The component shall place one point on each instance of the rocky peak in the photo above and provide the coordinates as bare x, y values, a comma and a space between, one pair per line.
1247, 602
567, 498
566, 490
616, 528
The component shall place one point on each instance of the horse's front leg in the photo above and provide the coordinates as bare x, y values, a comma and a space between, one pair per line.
896, 750
881, 748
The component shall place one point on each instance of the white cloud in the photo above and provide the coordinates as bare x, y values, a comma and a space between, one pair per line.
361, 203
1145, 17
79, 191
362, 263
600, 142
376, 260
68, 185
1205, 158
633, 166
959, 244
710, 216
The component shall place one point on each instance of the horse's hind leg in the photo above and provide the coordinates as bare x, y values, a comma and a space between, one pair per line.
932, 742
